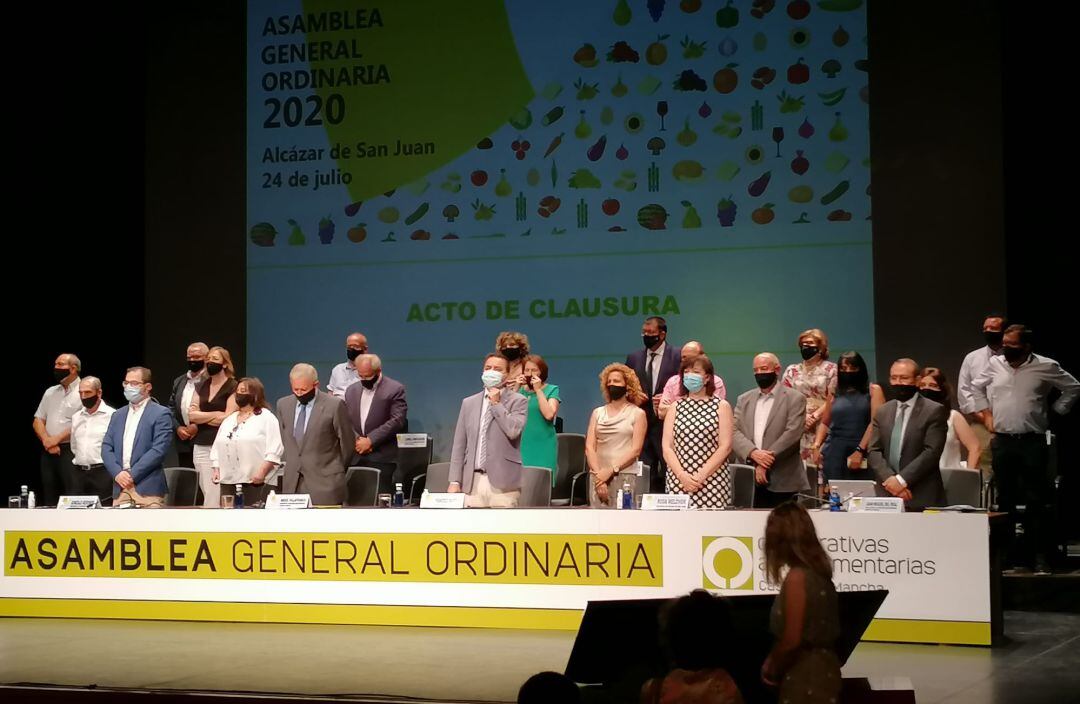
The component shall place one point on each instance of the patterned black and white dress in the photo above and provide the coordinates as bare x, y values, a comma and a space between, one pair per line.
696, 438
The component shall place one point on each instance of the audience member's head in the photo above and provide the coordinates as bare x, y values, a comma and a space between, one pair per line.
691, 629
618, 381
1017, 343
791, 541
813, 345
698, 373
993, 329
548, 688
512, 345
935, 386
653, 332
904, 379
852, 375
766, 370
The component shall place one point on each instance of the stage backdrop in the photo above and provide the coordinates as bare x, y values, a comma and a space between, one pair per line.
433, 172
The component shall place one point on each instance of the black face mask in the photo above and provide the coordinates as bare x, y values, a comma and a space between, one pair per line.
244, 400
808, 353
935, 395
213, 368
616, 392
89, 403
904, 392
353, 354
993, 339
764, 381
369, 383
60, 374
848, 380
306, 398
511, 353
1014, 354
196, 365
650, 341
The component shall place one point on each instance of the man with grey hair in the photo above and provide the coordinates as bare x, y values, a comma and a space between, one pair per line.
183, 391
318, 439
378, 412
690, 351
52, 424
769, 422
87, 431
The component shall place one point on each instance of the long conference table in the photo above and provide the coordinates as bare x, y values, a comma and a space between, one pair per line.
486, 568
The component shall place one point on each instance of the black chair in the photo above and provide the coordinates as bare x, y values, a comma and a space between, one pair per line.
571, 462
183, 486
742, 485
535, 487
962, 486
436, 480
412, 462
361, 486
642, 484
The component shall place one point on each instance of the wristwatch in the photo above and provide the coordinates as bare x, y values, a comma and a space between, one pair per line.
862, 451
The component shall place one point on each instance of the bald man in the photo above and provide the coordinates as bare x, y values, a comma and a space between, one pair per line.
52, 425
318, 438
768, 428
690, 351
183, 390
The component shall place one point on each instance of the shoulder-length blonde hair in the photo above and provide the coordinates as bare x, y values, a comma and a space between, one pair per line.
226, 361
819, 338
634, 392
518, 338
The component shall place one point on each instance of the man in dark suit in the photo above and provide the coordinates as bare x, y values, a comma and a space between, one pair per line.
769, 424
907, 440
378, 411
318, 439
136, 442
654, 364
183, 390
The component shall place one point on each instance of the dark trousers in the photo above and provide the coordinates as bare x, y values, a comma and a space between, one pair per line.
388, 474
652, 454
92, 482
763, 498
56, 475
1021, 472
185, 458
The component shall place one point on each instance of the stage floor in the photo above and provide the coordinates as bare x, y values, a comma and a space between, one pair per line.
1041, 663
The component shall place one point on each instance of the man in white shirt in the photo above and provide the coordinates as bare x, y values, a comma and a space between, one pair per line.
52, 424
344, 375
87, 432
975, 363
183, 390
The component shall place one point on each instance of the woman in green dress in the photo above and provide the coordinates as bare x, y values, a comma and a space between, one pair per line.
805, 617
539, 447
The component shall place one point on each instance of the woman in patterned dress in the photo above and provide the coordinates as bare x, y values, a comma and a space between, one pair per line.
814, 378
697, 439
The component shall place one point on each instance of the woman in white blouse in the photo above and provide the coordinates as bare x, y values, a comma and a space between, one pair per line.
934, 386
248, 449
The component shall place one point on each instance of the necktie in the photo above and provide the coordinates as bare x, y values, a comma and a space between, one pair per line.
897, 436
651, 387
301, 423
485, 421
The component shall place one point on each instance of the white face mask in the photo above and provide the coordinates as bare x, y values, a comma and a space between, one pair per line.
491, 378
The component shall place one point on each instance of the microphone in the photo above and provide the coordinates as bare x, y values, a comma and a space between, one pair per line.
813, 498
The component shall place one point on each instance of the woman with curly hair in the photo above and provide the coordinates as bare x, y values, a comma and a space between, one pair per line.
515, 347
616, 431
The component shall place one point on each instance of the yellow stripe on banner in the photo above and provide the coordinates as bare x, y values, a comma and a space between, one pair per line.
945, 632
344, 614
882, 629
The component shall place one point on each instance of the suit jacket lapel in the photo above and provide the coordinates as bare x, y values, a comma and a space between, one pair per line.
886, 421
914, 423
779, 409
751, 413
313, 415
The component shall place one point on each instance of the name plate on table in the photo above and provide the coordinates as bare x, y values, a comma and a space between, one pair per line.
440, 500
665, 502
412, 439
288, 501
876, 504
71, 502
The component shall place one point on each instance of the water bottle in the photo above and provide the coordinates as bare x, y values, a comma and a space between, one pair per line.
31, 500
834, 499
626, 494
399, 495
238, 502
270, 498
24, 496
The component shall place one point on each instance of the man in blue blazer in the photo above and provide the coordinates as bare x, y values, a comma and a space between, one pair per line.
136, 443
654, 364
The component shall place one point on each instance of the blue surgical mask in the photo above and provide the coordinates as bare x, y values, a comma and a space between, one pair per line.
693, 382
491, 378
133, 393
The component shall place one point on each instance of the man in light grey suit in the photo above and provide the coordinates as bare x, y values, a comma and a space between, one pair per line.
769, 423
318, 439
485, 462
907, 439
